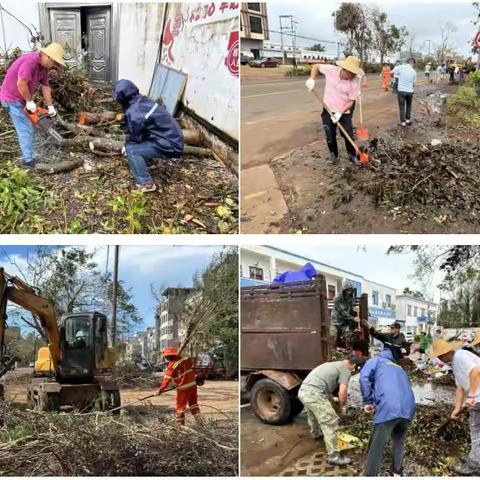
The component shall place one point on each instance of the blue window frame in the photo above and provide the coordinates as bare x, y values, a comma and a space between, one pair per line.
375, 297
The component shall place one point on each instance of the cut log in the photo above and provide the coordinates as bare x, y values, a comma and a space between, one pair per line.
65, 166
93, 118
106, 145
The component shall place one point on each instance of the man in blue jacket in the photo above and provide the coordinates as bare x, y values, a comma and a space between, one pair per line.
152, 133
386, 390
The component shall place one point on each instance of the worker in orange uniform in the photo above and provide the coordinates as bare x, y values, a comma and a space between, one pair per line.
386, 73
181, 372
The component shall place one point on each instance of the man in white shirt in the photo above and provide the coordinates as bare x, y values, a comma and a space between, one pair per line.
407, 76
466, 370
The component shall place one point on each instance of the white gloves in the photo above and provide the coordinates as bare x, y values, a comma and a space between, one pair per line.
124, 152
31, 107
336, 117
310, 84
51, 111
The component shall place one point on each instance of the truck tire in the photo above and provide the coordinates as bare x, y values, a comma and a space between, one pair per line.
296, 408
271, 402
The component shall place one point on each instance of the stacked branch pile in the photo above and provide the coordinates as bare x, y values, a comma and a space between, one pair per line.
59, 444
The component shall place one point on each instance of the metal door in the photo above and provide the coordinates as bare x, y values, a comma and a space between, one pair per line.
65, 28
98, 32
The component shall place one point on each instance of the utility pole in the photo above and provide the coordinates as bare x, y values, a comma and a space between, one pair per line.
285, 28
281, 39
429, 42
114, 296
294, 42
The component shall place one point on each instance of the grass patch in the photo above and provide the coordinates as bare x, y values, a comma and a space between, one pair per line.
465, 102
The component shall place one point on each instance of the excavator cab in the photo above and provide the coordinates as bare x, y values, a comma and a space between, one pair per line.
84, 347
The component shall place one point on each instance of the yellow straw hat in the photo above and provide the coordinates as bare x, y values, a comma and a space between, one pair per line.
440, 346
55, 52
476, 339
352, 64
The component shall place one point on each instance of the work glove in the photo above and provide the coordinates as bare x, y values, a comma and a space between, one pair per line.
31, 106
310, 84
51, 111
336, 117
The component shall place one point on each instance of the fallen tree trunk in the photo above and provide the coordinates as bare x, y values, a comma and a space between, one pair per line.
114, 147
87, 119
94, 118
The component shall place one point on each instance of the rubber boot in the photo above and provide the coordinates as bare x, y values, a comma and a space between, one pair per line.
339, 460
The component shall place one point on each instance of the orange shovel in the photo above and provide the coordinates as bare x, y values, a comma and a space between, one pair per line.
363, 157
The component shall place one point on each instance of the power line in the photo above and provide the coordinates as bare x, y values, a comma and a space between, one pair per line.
304, 37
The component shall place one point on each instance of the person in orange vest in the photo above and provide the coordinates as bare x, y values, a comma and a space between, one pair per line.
386, 73
181, 372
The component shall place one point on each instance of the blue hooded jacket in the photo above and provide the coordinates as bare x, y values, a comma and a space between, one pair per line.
385, 384
306, 273
148, 121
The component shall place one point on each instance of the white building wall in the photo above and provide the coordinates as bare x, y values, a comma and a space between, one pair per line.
417, 309
201, 40
13, 34
140, 27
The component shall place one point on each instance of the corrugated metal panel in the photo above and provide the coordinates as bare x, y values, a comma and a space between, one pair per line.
201, 39
168, 85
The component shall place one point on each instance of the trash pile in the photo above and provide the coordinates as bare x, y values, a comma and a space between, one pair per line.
84, 185
432, 446
99, 444
428, 371
424, 181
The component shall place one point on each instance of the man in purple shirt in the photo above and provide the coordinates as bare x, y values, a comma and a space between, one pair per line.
18, 89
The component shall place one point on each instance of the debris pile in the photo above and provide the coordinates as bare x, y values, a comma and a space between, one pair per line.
152, 444
432, 446
130, 376
422, 181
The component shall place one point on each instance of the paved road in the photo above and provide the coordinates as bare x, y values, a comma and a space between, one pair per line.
276, 117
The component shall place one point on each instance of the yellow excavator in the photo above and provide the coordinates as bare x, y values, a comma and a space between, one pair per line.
71, 372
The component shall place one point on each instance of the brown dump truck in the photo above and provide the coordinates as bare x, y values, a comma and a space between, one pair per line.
284, 335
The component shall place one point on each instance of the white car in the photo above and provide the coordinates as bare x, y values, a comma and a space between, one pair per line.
409, 337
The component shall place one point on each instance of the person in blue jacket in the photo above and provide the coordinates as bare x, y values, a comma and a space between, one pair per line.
387, 392
152, 133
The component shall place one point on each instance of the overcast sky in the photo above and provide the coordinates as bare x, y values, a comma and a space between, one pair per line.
139, 267
421, 19
372, 262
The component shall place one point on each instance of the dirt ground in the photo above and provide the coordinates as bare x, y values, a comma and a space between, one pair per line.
310, 185
221, 395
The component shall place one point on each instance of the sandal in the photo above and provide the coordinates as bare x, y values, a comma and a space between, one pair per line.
146, 187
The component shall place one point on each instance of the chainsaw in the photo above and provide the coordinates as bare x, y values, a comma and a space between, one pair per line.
43, 121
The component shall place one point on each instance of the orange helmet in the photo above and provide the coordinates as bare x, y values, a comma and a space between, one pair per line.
170, 352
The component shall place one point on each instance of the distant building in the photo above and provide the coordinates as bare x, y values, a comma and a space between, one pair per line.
301, 54
169, 317
253, 27
261, 264
416, 315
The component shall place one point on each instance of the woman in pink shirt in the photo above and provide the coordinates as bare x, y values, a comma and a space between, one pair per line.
341, 92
